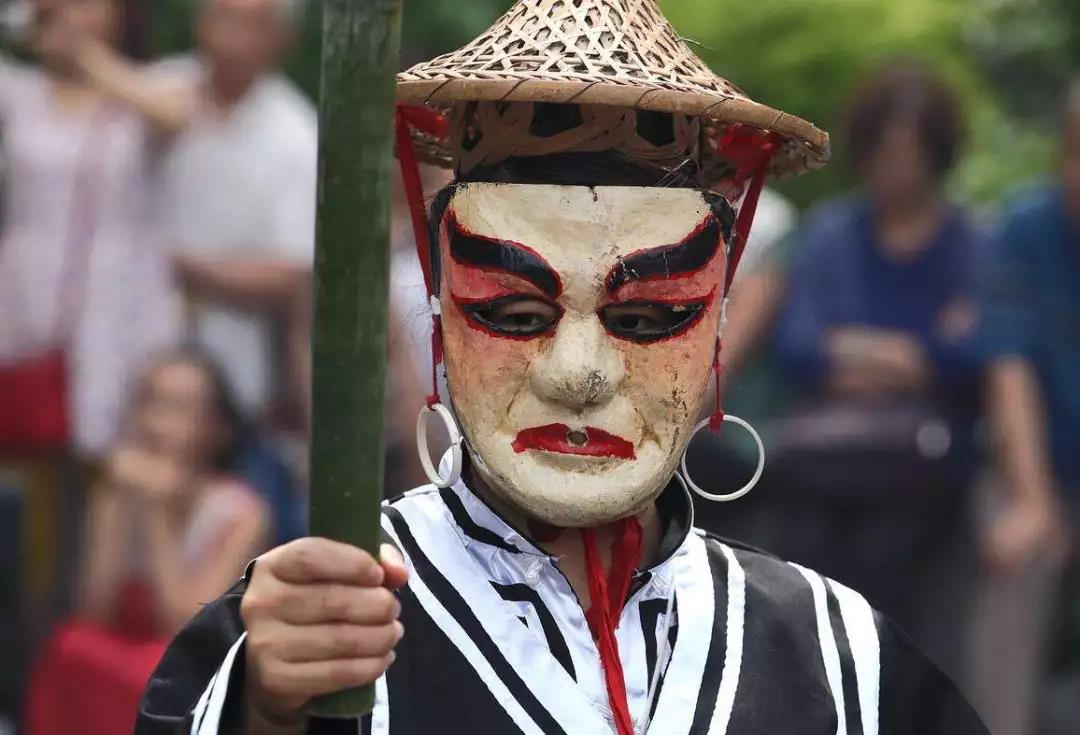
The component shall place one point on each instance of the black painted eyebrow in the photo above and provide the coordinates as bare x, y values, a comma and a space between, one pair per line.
506, 256
681, 259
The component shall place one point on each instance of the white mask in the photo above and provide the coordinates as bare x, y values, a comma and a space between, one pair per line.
579, 325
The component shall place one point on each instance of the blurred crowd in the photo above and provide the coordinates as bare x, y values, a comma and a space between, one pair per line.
913, 365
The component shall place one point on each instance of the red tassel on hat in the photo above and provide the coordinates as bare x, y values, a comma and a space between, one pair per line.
751, 153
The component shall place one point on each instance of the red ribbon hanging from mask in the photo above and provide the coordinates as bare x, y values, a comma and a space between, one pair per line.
750, 151
608, 594
433, 124
716, 421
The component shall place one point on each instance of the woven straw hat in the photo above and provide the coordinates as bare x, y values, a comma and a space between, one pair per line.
602, 55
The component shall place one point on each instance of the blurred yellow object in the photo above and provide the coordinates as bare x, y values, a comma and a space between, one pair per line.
38, 481
44, 525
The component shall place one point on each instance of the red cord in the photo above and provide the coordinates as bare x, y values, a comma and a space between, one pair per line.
746, 215
436, 358
754, 153
433, 124
414, 194
608, 593
716, 422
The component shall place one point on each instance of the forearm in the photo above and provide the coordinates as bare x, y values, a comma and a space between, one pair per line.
244, 284
852, 371
856, 383
168, 110
174, 604
101, 572
1019, 424
882, 359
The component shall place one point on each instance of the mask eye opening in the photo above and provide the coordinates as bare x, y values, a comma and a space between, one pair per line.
510, 315
646, 322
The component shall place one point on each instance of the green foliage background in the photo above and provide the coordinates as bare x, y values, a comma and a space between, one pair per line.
1009, 59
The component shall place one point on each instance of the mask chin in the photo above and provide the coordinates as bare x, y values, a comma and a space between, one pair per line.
579, 500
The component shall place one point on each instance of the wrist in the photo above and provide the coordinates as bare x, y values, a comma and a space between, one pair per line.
1034, 495
261, 720
842, 346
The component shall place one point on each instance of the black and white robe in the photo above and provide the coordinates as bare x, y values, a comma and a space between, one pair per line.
496, 642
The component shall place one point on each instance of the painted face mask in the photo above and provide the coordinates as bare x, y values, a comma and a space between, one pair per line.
579, 327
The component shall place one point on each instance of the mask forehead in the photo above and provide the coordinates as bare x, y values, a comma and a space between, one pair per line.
582, 232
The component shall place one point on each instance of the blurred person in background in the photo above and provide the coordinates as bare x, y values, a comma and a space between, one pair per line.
749, 384
238, 201
1031, 337
758, 292
235, 197
170, 526
875, 333
170, 508
82, 267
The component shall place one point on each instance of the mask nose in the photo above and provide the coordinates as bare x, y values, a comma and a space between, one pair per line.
582, 368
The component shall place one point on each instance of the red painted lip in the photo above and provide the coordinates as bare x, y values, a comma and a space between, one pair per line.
552, 438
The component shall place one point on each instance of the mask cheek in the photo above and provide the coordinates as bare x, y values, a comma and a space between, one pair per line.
668, 381
483, 388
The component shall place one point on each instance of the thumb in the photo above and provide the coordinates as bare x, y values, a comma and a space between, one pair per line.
397, 573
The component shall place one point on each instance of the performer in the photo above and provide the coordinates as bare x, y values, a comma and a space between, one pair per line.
550, 579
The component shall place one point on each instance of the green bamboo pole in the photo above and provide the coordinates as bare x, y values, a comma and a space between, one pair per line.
361, 40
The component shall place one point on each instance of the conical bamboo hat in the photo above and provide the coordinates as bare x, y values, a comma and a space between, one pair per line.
600, 53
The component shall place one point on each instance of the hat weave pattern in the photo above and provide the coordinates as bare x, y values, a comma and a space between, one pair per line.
620, 53
494, 132
625, 42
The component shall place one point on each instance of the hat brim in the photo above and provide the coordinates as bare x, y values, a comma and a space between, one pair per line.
804, 146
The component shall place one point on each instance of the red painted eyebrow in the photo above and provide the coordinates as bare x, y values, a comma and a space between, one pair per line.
678, 260
505, 256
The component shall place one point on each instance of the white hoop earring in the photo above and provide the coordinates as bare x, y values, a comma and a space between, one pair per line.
753, 480
456, 440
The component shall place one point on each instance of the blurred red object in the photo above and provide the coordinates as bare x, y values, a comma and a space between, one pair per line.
34, 394
90, 678
34, 390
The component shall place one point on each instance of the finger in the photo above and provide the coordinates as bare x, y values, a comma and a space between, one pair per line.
309, 560
335, 603
303, 681
396, 573
309, 643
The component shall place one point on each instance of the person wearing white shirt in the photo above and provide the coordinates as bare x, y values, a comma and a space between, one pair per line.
237, 197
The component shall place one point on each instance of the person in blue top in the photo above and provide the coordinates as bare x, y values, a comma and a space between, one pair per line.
1030, 339
876, 336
